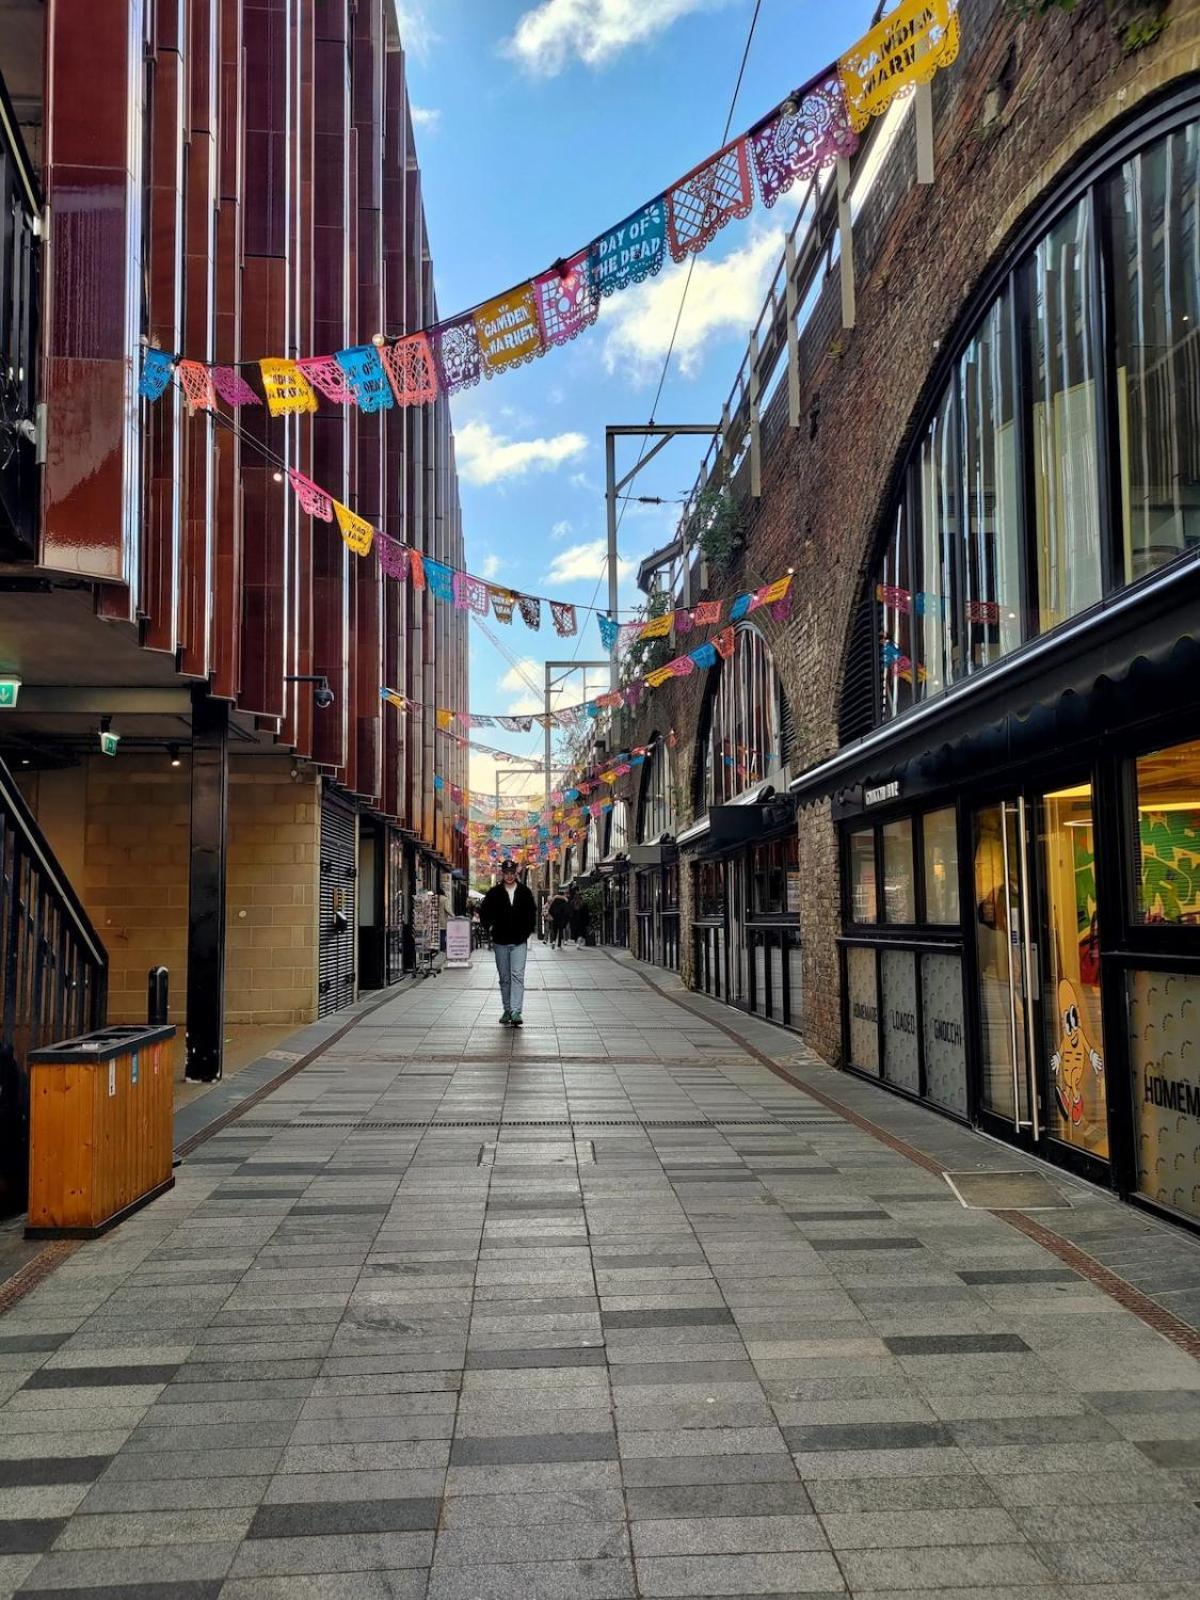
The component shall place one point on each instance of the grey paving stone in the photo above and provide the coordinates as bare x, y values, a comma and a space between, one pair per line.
568, 1541
278, 1521
868, 1436
549, 1580
797, 1572
344, 1552
942, 1567
133, 1530
400, 1585
533, 1448
724, 1535
185, 1589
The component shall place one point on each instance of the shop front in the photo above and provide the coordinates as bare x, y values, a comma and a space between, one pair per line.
745, 898
1017, 791
655, 872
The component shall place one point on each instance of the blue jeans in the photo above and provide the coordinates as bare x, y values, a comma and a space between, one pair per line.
510, 964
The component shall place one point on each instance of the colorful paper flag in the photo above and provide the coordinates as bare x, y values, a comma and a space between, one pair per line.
812, 132
705, 656
530, 608
508, 330
706, 613
287, 390
711, 195
567, 301
633, 250
440, 580
610, 630
456, 352
156, 374
233, 388
356, 531
470, 594
725, 642
564, 618
195, 379
658, 627
740, 607
328, 378
393, 557
411, 370
312, 498
367, 379
906, 48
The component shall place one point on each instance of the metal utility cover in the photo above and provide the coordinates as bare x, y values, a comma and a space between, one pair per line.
1007, 1191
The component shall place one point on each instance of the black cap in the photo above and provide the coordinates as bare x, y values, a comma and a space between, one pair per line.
508, 866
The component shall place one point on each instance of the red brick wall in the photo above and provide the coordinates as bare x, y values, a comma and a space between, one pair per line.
1056, 83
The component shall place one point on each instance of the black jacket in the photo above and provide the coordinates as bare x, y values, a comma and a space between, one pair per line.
510, 923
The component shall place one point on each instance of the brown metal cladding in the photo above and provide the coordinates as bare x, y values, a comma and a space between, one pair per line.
241, 175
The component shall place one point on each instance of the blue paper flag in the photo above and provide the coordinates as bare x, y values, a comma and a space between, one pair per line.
440, 580
365, 375
633, 250
438, 782
739, 607
156, 374
592, 709
705, 656
610, 628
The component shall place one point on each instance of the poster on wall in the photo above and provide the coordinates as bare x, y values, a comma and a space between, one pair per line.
1164, 1054
793, 894
458, 942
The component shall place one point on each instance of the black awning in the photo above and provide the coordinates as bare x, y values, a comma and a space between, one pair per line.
732, 827
1133, 661
661, 853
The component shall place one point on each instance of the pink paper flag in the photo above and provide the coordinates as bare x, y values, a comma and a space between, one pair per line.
311, 496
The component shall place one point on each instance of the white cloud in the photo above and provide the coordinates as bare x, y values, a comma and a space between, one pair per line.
723, 297
484, 456
426, 117
552, 32
560, 530
514, 680
417, 34
489, 566
580, 561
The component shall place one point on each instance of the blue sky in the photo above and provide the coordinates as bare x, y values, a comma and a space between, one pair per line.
539, 123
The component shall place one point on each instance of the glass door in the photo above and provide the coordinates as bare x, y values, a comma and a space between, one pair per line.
1038, 970
1006, 976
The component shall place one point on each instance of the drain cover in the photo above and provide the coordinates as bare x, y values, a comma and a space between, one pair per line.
1007, 1191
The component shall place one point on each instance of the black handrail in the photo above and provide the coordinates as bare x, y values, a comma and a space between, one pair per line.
53, 972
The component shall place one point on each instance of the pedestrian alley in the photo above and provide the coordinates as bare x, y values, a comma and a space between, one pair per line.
599, 1309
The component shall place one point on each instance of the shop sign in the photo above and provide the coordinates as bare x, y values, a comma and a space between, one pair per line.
882, 793
458, 942
863, 1000
901, 1052
945, 1045
793, 893
1164, 1054
10, 688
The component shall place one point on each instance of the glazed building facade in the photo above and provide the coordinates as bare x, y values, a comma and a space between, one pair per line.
225, 181
969, 863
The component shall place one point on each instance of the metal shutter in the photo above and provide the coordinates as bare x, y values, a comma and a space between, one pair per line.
339, 872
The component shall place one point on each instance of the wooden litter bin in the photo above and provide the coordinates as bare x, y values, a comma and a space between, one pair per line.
101, 1114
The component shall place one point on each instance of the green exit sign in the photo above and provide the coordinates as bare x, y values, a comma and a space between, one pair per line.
10, 688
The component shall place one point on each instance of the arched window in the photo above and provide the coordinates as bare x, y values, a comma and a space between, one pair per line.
747, 729
656, 814
1085, 363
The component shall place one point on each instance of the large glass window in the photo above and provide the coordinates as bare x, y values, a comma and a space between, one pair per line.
773, 888
899, 900
936, 495
1168, 836
1153, 214
863, 899
656, 815
940, 844
1057, 286
992, 501
1000, 530
743, 744
618, 828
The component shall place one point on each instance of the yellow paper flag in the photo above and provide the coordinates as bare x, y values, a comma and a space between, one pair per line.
444, 717
285, 386
357, 533
508, 330
657, 678
906, 48
658, 627
775, 591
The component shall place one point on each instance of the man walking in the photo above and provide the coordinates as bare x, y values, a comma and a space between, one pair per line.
558, 919
509, 912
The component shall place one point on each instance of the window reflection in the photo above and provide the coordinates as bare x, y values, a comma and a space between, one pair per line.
899, 903
1154, 221
744, 744
1062, 375
1168, 836
992, 508
863, 900
940, 835
935, 610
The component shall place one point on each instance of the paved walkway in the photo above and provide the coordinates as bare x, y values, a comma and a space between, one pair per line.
600, 1309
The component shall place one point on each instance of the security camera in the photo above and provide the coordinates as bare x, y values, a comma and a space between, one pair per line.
323, 696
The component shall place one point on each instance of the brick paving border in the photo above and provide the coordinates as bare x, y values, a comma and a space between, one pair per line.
1179, 1333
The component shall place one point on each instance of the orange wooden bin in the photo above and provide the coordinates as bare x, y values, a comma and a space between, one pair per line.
101, 1111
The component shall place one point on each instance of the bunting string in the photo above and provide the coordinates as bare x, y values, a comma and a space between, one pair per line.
815, 126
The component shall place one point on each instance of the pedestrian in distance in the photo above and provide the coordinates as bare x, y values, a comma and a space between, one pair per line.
509, 913
559, 916
579, 917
